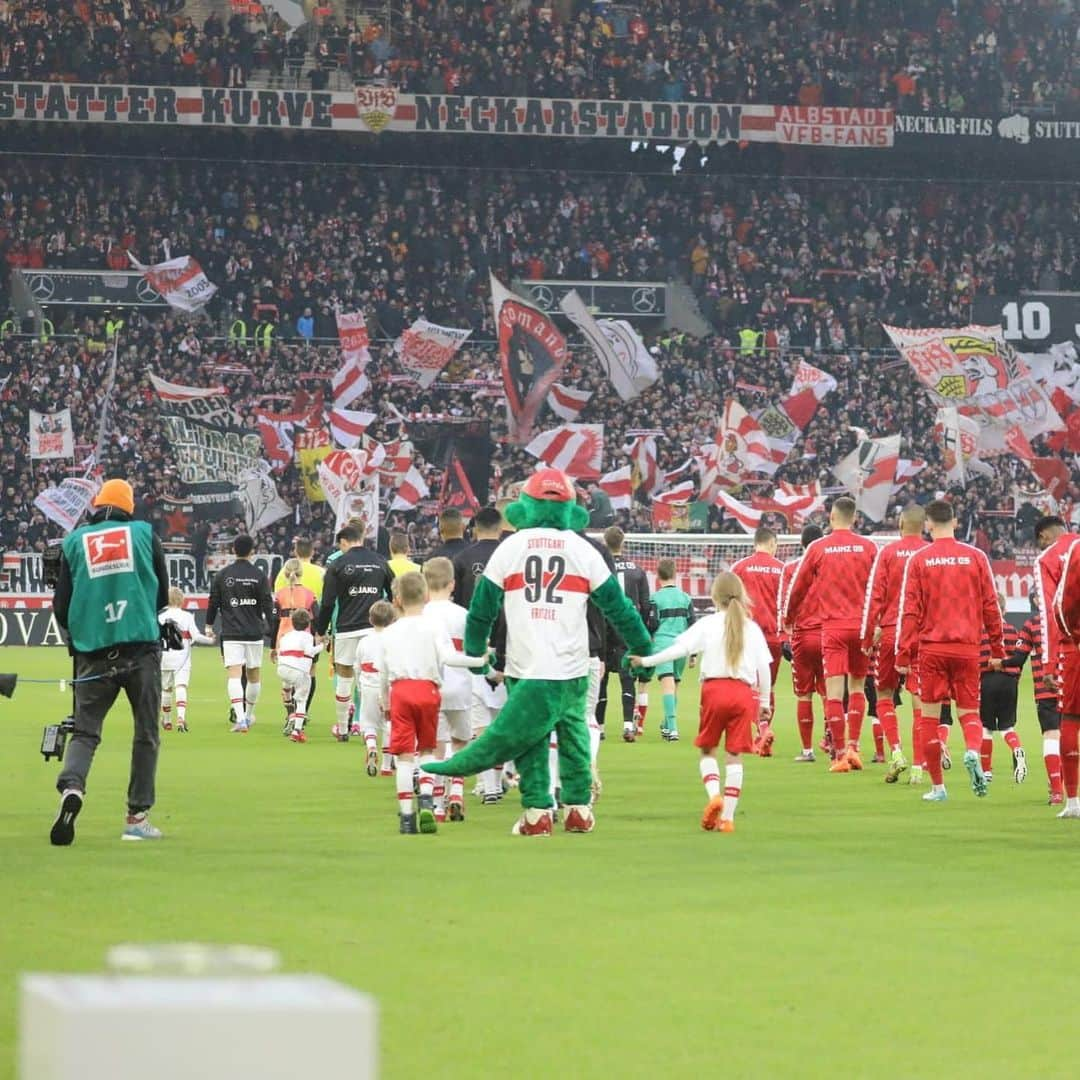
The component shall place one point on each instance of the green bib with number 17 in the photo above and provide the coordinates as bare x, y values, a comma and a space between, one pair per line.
114, 587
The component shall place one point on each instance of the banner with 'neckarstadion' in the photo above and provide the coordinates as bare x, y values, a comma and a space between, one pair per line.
376, 109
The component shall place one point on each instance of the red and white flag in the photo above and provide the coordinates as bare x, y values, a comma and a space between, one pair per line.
681, 493
353, 336
567, 401
746, 516
679, 473
411, 490
743, 445
799, 500
644, 469
907, 468
276, 431
808, 389
869, 473
180, 282
349, 383
1053, 474
398, 460
347, 425
425, 348
616, 485
51, 435
577, 449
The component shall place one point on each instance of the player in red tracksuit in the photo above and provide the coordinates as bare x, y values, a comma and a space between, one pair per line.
1067, 622
947, 601
1053, 540
837, 568
1047, 706
760, 575
807, 676
878, 632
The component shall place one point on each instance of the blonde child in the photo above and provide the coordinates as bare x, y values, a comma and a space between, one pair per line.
294, 655
735, 688
176, 663
369, 664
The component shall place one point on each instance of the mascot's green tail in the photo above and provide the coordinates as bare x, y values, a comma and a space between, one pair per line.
532, 709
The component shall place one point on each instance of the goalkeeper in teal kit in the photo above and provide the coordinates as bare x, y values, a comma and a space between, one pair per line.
671, 612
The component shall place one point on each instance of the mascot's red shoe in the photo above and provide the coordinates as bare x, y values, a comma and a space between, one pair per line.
579, 819
533, 823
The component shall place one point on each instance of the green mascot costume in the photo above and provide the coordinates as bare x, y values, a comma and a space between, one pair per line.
543, 576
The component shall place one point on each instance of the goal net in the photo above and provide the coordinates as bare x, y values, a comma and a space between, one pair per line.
699, 557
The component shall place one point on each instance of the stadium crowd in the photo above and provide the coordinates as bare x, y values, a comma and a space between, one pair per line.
924, 56
810, 269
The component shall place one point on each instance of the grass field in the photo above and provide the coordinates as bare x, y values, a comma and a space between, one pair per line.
846, 929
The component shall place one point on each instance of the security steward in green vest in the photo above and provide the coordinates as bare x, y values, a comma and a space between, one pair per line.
113, 581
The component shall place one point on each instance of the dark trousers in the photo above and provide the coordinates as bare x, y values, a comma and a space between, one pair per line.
626, 685
139, 676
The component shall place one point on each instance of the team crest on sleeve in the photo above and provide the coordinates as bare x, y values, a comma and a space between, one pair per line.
108, 552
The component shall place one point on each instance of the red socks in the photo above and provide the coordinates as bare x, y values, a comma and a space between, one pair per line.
1052, 761
1012, 740
918, 753
879, 737
855, 713
1070, 756
804, 712
943, 731
889, 727
834, 717
972, 728
932, 748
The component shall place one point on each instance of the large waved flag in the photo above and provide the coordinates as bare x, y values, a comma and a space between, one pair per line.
411, 490
566, 402
644, 466
680, 493
743, 445
349, 383
746, 516
616, 486
348, 426
67, 502
795, 501
808, 389
577, 449
532, 355
869, 473
425, 348
180, 282
621, 352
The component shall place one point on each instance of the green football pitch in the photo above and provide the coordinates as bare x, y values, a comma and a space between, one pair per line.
846, 928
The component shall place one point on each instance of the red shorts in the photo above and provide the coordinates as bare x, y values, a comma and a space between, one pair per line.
886, 677
949, 678
414, 715
807, 675
728, 709
776, 654
841, 654
1070, 678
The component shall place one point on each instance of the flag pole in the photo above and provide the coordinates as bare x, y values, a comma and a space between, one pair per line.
110, 382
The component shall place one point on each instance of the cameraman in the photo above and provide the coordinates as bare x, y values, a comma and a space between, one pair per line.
112, 583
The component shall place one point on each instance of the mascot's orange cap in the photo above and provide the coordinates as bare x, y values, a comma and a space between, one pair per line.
116, 493
550, 485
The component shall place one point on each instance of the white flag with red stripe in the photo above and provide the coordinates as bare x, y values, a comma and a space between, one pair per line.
808, 389
869, 472
425, 348
411, 490
180, 282
644, 469
743, 445
577, 449
349, 383
616, 485
681, 493
567, 401
348, 425
746, 516
276, 431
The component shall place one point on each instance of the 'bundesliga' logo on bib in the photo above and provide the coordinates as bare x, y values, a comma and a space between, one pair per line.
108, 552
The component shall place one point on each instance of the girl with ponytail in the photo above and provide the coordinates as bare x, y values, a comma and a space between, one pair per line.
735, 687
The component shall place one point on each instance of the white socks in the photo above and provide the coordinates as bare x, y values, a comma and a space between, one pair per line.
490, 782
1051, 745
181, 704
235, 689
404, 775
594, 742
343, 691
710, 776
251, 697
733, 776
427, 780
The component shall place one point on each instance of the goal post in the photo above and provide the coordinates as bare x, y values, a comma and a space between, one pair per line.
699, 557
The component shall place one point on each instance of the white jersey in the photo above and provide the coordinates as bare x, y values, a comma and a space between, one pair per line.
706, 637
175, 659
417, 647
369, 661
546, 576
456, 682
297, 649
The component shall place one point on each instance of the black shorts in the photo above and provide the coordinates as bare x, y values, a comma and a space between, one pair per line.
1049, 714
997, 701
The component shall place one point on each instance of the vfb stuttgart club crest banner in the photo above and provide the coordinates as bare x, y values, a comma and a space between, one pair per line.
976, 370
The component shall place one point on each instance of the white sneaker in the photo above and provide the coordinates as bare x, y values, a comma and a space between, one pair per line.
139, 828
1070, 812
805, 755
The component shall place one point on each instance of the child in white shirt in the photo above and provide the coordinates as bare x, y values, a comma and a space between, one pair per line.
176, 663
735, 688
294, 654
369, 664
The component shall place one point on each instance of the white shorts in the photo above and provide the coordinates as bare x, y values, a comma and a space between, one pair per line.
180, 677
347, 646
249, 654
298, 681
487, 701
454, 724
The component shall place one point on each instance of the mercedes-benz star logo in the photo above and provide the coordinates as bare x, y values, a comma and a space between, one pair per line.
146, 292
41, 287
543, 296
643, 300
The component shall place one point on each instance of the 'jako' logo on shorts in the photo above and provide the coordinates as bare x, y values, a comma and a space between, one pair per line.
108, 552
